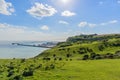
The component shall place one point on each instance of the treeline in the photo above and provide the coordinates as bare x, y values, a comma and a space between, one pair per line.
92, 37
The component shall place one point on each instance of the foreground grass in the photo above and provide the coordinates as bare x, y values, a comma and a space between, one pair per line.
66, 70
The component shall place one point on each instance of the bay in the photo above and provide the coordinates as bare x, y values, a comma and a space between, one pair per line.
8, 51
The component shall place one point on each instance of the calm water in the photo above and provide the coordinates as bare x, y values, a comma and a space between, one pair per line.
7, 50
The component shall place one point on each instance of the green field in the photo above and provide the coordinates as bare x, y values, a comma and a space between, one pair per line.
65, 70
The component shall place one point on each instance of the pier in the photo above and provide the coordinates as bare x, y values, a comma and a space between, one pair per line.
33, 45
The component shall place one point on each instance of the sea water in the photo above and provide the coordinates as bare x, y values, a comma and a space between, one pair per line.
7, 50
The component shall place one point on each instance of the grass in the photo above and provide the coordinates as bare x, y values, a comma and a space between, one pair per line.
75, 48
91, 70
72, 70
69, 68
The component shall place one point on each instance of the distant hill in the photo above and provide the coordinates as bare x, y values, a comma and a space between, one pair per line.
86, 46
92, 37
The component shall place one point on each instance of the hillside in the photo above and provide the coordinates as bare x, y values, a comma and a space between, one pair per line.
70, 60
32, 69
92, 37
86, 45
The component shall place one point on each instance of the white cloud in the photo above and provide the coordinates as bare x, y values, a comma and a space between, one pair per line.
103, 24
44, 27
40, 10
67, 13
6, 8
109, 22
83, 24
87, 24
113, 21
2, 26
92, 25
11, 28
63, 22
13, 33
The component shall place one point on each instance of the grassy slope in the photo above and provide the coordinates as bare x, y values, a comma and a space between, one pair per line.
72, 70
75, 47
105, 69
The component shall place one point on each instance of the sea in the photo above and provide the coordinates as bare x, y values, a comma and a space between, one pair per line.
9, 51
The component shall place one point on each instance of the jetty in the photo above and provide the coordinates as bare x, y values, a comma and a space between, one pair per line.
34, 45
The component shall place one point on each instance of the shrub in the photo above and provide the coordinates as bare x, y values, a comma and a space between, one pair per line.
54, 55
70, 59
17, 77
23, 60
85, 57
60, 59
89, 50
68, 55
40, 65
117, 52
74, 52
46, 67
10, 67
68, 49
101, 47
109, 55
46, 58
55, 59
98, 56
92, 55
10, 73
27, 73
52, 66
66, 59
81, 52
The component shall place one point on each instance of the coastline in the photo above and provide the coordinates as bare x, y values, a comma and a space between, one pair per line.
8, 51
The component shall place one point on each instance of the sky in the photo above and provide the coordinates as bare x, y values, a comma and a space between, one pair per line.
56, 20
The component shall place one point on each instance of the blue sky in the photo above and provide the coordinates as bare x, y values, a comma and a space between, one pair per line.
57, 19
